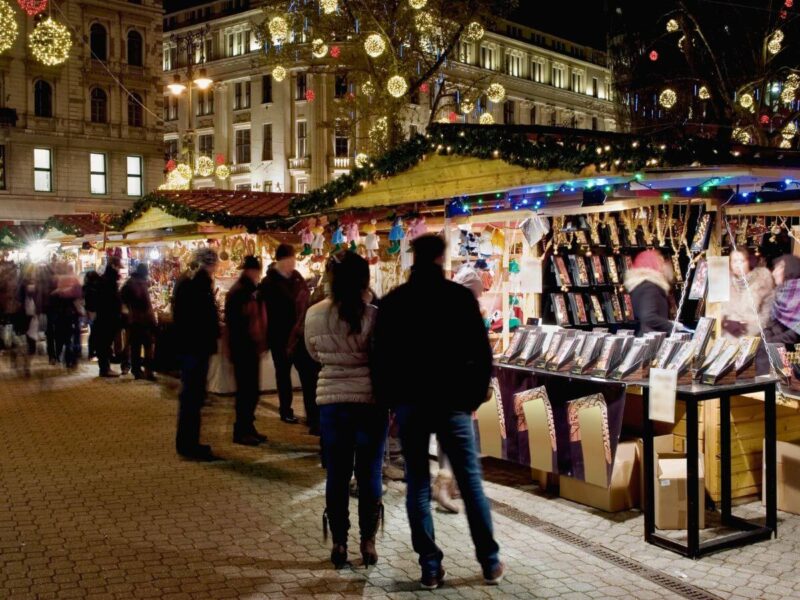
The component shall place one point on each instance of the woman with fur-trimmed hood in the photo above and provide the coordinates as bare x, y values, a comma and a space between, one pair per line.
648, 283
738, 315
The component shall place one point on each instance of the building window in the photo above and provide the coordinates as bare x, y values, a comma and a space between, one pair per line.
300, 87
170, 108
609, 94
341, 140
2, 167
594, 124
513, 65
302, 139
558, 77
266, 89
242, 146
42, 99
266, 147
135, 112
135, 48
595, 87
42, 170
340, 86
98, 41
203, 51
577, 82
205, 102
241, 96
205, 144
537, 71
238, 42
488, 58
509, 110
465, 53
97, 173
99, 106
170, 150
244, 187
533, 115
134, 168
170, 58
302, 186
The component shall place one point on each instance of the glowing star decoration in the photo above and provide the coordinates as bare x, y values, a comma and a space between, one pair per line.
788, 95
774, 46
32, 7
278, 29
703, 93
397, 86
318, 48
362, 160
746, 100
741, 136
668, 98
672, 26
475, 32
336, 51
467, 106
310, 95
496, 93
50, 42
368, 88
486, 119
329, 6
204, 167
654, 56
279, 73
789, 131
417, 4
8, 26
222, 172
374, 45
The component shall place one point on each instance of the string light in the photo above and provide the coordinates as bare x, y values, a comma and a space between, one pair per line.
486, 119
32, 7
328, 6
788, 95
278, 29
397, 86
672, 26
496, 93
746, 100
204, 166
741, 136
774, 46
318, 48
417, 4
668, 98
361, 160
374, 45
279, 73
50, 42
222, 172
8, 26
703, 93
778, 35
475, 32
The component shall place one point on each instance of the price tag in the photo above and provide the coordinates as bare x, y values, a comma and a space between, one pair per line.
663, 388
531, 275
719, 279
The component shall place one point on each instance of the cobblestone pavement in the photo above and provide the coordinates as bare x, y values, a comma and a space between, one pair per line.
96, 505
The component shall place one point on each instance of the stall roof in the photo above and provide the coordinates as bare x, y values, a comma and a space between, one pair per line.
77, 224
234, 203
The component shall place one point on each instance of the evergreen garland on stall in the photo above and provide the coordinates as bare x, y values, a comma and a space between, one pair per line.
63, 227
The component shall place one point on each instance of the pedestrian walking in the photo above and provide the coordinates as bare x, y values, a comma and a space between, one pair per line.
196, 322
432, 365
649, 283
286, 295
67, 305
245, 319
109, 316
141, 322
91, 287
338, 335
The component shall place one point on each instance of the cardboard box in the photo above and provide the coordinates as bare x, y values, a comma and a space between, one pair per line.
787, 475
671, 492
662, 444
622, 492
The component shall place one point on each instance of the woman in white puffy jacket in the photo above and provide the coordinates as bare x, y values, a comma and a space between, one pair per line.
338, 333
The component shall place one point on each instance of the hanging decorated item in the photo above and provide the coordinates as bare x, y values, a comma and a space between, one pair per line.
452, 116
396, 234
170, 166
654, 56
361, 160
742, 136
204, 166
279, 30
703, 93
222, 172
337, 239
50, 42
475, 32
318, 243
668, 98
372, 241
774, 46
397, 86
279, 73
418, 228
467, 105
498, 239
319, 48
307, 239
374, 45
32, 7
310, 95
184, 171
329, 6
746, 100
336, 51
8, 26
788, 95
424, 22
672, 26
353, 235
424, 87
486, 119
496, 93
789, 131
219, 159
764, 119
534, 229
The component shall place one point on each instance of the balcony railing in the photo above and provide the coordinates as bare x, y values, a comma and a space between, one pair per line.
341, 162
240, 168
300, 163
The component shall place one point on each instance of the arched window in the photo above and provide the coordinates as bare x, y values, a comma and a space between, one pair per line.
43, 99
98, 42
99, 106
135, 113
135, 48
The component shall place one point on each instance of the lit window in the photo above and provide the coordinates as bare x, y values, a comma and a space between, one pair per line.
42, 170
134, 168
97, 173
302, 138
242, 146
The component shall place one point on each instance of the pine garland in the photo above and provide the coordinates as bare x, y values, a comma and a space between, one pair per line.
59, 225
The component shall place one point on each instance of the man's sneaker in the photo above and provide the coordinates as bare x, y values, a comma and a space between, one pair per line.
432, 581
495, 575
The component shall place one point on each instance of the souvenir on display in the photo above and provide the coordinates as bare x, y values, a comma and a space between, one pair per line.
515, 345
665, 353
578, 308
703, 334
560, 309
702, 233
682, 336
681, 362
616, 307
627, 308
598, 277
711, 356
561, 271
532, 347
396, 235
698, 289
722, 370
566, 354
371, 241
613, 271
609, 356
596, 309
307, 239
337, 239
318, 244
552, 350
745, 361
780, 361
632, 361
579, 273
581, 237
589, 353
613, 231
418, 227
353, 235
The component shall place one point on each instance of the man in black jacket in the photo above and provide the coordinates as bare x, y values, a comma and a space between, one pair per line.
246, 330
109, 316
197, 330
432, 365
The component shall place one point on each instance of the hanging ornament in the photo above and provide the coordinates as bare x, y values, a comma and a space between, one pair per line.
368, 88
793, 80
783, 14
417, 4
764, 119
486, 119
741, 136
219, 159
746, 100
788, 3
703, 93
8, 26
785, 144
467, 106
789, 131
335, 51
424, 87
397, 86
310, 95
279, 73
328, 6
379, 132
374, 45
424, 22
184, 171
222, 172
496, 93
668, 98
774, 46
475, 32
361, 160
204, 167
672, 26
170, 166
778, 35
279, 30
654, 56
32, 7
319, 49
50, 42
788, 95
452, 116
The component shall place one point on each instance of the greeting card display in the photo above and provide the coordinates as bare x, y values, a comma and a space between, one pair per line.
531, 348
560, 309
561, 271
698, 289
746, 360
703, 334
632, 362
589, 353
578, 307
580, 275
552, 350
723, 369
713, 353
515, 346
682, 362
564, 356
665, 353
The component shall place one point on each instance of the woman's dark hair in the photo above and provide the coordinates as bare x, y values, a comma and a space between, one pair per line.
791, 266
349, 275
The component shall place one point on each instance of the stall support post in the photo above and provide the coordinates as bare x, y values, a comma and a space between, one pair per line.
506, 287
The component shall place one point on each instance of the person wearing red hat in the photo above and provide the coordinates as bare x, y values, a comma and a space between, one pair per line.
649, 283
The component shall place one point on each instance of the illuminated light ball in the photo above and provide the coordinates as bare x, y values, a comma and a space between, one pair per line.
279, 73
397, 86
788, 95
222, 172
328, 6
452, 117
496, 93
50, 42
379, 132
184, 171
774, 46
278, 29
32, 7
746, 100
785, 144
789, 3
793, 80
672, 26
219, 159
336, 51
475, 32
310, 95
789, 131
654, 56
374, 45
424, 87
318, 48
668, 98
417, 4
467, 106
741, 136
764, 120
486, 119
368, 88
204, 167
170, 166
8, 26
703, 93
361, 160
424, 21
778, 35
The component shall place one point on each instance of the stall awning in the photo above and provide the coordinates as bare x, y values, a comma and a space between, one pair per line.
76, 225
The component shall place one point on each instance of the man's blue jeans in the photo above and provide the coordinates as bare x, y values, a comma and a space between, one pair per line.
457, 439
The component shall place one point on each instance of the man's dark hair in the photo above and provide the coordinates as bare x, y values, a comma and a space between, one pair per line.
428, 249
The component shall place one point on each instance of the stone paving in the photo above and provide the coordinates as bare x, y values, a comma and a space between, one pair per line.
95, 504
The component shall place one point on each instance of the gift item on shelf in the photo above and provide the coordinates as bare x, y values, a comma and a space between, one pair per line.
779, 359
589, 353
702, 233
596, 264
596, 310
681, 362
698, 289
551, 351
532, 347
515, 346
566, 353
613, 270
634, 362
627, 308
580, 274
612, 307
723, 369
562, 272
746, 360
703, 334
713, 353
609, 356
560, 309
665, 353
578, 307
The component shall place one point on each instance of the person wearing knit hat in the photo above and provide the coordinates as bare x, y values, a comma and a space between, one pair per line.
649, 283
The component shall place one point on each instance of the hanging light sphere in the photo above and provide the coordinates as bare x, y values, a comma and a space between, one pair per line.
789, 131
788, 95
467, 106
279, 73
374, 45
654, 56
424, 22
328, 6
788, 3
496, 93
424, 87
668, 98
793, 80
672, 26
397, 86
778, 35
703, 93
746, 100
222, 172
278, 29
741, 136
417, 4
486, 119
774, 46
361, 160
204, 166
318, 48
368, 88
184, 171
50, 43
8, 26
32, 7
785, 144
475, 32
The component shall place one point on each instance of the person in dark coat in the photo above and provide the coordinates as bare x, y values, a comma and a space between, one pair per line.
432, 364
196, 328
91, 286
286, 296
109, 316
784, 323
245, 319
649, 283
141, 321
